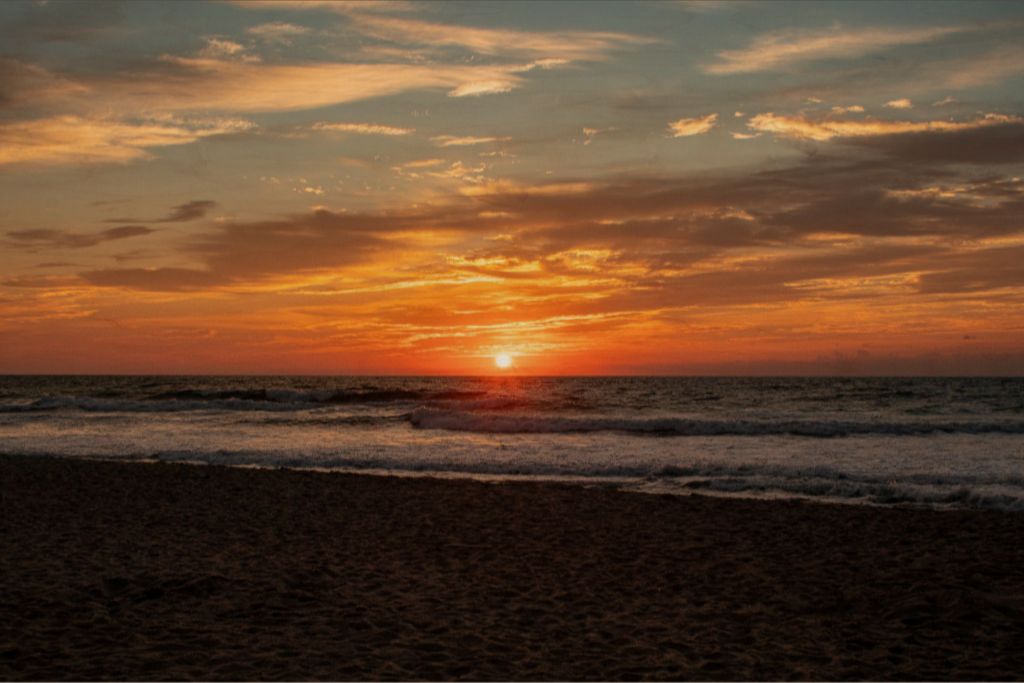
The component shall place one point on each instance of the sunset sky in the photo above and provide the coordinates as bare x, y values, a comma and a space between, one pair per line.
606, 188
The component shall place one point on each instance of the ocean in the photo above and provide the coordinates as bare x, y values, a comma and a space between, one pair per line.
937, 442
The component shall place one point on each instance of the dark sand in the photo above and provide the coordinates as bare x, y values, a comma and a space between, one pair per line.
119, 571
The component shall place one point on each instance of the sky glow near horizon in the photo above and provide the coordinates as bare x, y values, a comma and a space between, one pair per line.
592, 188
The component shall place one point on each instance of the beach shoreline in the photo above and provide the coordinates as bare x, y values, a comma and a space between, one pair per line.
164, 571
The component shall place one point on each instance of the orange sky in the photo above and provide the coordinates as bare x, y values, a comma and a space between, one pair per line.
393, 188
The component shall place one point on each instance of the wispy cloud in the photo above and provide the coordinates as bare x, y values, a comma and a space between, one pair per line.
510, 188
277, 31
784, 48
985, 69
562, 45
696, 126
101, 122
32, 85
189, 211
220, 48
78, 140
418, 164
230, 85
363, 128
59, 238
802, 127
478, 88
590, 133
460, 171
463, 140
901, 103
712, 6
341, 6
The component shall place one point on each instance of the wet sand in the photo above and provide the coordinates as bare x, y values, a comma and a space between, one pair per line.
119, 571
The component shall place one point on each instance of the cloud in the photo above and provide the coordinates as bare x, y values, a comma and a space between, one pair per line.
917, 77
58, 238
218, 48
944, 101
70, 139
245, 252
785, 48
802, 127
976, 271
902, 103
478, 88
711, 6
559, 45
506, 188
322, 240
363, 128
188, 84
463, 140
981, 70
688, 127
590, 133
852, 109
997, 144
101, 122
340, 6
189, 211
277, 32
418, 164
459, 171
30, 85
823, 232
202, 84
543, 64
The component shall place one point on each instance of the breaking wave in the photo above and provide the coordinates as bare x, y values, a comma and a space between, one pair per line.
735, 479
463, 421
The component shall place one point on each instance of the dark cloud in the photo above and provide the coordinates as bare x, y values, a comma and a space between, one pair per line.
244, 252
772, 208
59, 238
875, 207
1001, 144
302, 243
189, 211
22, 83
982, 270
823, 219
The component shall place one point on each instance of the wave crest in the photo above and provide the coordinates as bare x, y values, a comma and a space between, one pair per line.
462, 421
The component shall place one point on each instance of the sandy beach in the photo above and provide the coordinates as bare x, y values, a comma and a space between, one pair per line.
144, 571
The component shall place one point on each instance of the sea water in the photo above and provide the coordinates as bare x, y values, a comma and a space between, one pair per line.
940, 442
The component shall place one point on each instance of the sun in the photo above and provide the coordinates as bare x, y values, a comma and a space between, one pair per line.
503, 360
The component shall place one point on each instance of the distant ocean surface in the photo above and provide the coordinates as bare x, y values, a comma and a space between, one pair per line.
941, 442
